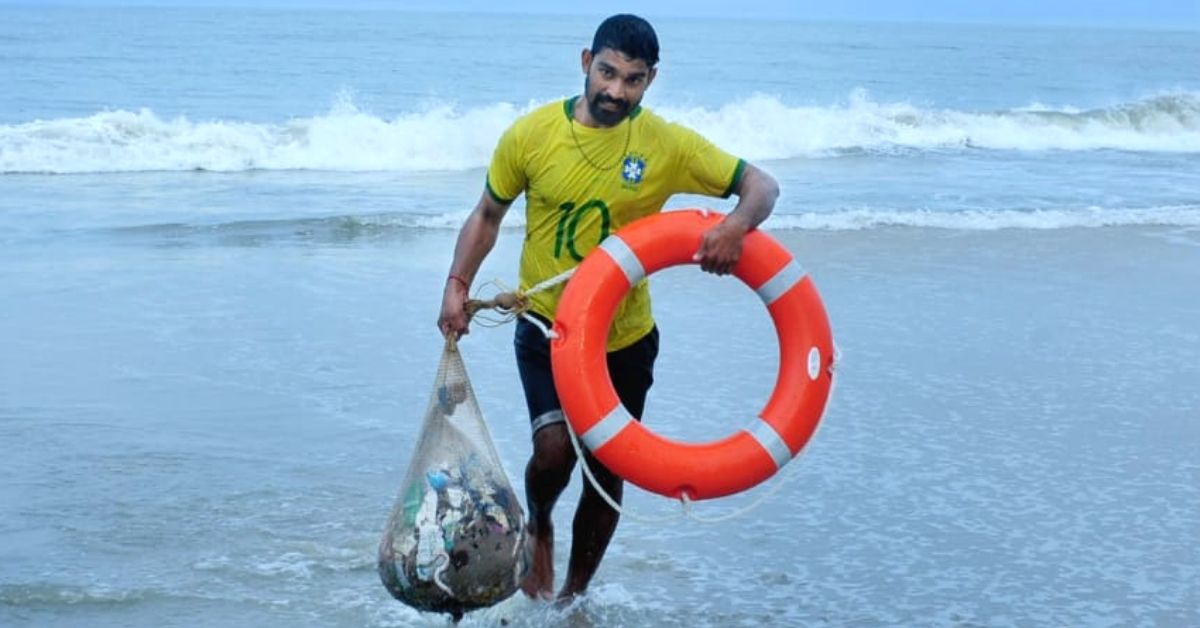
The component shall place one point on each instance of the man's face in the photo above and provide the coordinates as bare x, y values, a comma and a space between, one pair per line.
614, 85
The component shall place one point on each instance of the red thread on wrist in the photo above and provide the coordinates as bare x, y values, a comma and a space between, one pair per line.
465, 285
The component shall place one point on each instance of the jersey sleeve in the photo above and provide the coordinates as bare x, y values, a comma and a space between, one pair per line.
506, 175
703, 167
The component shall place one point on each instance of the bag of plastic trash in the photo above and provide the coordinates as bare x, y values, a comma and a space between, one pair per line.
456, 537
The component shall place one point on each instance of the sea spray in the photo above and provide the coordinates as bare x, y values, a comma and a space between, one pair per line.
446, 137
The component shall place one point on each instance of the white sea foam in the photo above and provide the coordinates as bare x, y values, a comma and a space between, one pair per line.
41, 593
866, 218
345, 139
989, 220
763, 127
447, 137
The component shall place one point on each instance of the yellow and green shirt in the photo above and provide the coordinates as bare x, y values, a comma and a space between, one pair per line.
583, 183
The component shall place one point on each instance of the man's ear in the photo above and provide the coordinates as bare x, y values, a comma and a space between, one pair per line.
650, 76
586, 59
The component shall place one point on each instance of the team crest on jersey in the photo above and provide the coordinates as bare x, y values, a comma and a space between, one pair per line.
633, 169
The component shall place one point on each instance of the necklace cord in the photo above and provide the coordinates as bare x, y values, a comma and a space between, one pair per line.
579, 147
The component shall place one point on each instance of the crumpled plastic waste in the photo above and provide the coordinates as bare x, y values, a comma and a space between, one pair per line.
456, 537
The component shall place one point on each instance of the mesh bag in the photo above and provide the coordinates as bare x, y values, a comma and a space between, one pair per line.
455, 539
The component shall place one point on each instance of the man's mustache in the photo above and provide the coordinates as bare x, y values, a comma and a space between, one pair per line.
601, 99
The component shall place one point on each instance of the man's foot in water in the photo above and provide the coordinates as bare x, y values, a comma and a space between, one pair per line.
539, 584
566, 598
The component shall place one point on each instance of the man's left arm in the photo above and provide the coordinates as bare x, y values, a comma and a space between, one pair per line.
721, 247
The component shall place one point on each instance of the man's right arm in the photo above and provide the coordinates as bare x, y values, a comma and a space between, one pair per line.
475, 241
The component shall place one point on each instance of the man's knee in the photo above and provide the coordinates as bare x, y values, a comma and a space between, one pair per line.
552, 450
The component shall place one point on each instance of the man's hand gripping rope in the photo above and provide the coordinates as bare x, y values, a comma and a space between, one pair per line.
458, 309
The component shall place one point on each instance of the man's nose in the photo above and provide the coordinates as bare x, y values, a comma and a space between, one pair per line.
615, 90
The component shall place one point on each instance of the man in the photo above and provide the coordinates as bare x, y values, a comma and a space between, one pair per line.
588, 166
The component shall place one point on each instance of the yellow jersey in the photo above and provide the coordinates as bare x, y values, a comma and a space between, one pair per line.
583, 183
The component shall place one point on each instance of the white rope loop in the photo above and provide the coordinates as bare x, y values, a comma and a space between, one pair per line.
686, 502
612, 503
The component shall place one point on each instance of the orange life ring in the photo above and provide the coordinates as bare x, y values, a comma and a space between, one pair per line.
653, 462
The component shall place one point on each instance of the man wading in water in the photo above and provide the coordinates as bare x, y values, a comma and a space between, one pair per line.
588, 166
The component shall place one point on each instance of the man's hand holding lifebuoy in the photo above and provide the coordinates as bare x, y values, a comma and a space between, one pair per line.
721, 247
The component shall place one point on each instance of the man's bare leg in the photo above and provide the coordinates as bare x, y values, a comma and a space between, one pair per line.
593, 527
546, 475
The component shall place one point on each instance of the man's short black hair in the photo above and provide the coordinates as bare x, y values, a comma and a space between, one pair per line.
629, 35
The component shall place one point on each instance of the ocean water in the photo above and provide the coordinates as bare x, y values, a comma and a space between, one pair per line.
224, 238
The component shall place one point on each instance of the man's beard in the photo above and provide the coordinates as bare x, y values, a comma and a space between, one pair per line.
605, 117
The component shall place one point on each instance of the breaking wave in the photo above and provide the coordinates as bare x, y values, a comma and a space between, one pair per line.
447, 137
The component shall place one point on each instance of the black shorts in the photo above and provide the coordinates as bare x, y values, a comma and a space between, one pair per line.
631, 369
